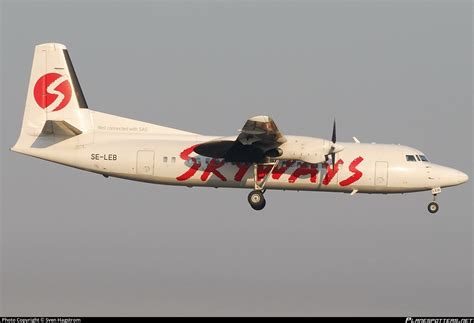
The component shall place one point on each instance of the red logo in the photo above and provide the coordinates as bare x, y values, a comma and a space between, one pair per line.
301, 170
52, 91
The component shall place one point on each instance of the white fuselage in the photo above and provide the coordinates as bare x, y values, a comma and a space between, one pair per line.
136, 152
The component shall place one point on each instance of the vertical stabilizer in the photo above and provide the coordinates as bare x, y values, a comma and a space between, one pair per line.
54, 94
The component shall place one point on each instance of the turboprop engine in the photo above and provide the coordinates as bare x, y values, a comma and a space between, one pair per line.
307, 149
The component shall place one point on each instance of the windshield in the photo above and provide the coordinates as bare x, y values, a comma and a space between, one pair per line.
416, 158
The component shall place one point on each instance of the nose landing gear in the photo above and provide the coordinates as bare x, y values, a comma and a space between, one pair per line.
433, 207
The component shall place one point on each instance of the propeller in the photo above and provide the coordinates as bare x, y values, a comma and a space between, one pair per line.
334, 147
333, 139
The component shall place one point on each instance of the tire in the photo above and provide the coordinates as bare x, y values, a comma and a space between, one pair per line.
433, 207
256, 200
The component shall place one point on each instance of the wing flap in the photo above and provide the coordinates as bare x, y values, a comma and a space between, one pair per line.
214, 149
230, 151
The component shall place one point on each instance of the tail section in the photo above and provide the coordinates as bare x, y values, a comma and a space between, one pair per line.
54, 96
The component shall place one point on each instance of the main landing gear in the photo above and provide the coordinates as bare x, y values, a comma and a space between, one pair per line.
256, 198
433, 207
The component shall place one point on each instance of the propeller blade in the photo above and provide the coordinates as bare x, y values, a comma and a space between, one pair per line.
333, 139
335, 148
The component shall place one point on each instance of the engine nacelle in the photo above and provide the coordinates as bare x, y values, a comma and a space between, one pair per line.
307, 149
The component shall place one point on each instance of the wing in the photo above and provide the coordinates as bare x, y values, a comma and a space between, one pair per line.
262, 130
257, 139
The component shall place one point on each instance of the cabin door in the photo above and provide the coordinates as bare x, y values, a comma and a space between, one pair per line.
145, 162
381, 173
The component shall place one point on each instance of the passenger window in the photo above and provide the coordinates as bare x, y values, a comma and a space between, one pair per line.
165, 159
173, 159
410, 158
423, 158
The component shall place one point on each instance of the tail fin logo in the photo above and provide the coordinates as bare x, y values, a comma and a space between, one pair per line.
52, 91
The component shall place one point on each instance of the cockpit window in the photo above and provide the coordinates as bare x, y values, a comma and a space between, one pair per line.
410, 158
423, 158
418, 157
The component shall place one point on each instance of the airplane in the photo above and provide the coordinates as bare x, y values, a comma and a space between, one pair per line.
59, 127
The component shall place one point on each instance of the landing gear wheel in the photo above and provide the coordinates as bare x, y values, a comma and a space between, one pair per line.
256, 200
433, 207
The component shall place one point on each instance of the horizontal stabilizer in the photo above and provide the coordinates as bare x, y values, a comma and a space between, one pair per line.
59, 129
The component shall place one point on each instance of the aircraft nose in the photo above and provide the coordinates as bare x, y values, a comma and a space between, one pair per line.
447, 176
462, 178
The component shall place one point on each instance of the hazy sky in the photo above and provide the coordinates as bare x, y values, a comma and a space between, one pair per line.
75, 243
